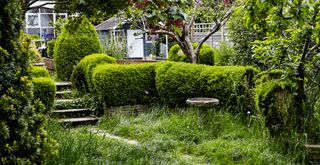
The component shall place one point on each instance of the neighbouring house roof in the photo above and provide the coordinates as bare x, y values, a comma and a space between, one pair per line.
109, 24
38, 3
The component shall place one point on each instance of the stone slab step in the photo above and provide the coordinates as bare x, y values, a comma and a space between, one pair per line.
63, 86
79, 121
70, 113
67, 94
39, 64
314, 151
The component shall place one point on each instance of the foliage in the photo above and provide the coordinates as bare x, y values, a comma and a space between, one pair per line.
50, 48
224, 55
124, 84
242, 36
44, 89
82, 74
176, 18
23, 139
39, 71
176, 82
206, 55
291, 43
30, 49
115, 46
77, 40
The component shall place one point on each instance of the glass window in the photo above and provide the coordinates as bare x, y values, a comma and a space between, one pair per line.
46, 20
33, 31
32, 20
44, 10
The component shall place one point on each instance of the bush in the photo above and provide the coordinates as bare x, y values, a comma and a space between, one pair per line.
44, 89
38, 71
82, 74
29, 49
224, 55
176, 82
206, 54
50, 48
125, 84
77, 40
23, 138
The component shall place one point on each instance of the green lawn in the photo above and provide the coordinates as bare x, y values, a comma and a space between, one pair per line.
169, 136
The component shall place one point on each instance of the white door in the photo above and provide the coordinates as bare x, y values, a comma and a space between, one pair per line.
135, 43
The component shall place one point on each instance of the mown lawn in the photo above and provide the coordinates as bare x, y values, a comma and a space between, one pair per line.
170, 136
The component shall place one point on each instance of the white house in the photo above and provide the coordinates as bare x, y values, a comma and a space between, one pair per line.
40, 20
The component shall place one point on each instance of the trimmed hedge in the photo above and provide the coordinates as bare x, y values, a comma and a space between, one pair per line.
206, 54
125, 84
82, 74
39, 71
44, 89
176, 82
77, 40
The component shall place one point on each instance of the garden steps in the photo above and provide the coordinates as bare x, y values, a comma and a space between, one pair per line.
67, 94
67, 113
69, 110
79, 121
314, 151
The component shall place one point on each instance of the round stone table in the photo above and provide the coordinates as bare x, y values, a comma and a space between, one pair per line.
203, 104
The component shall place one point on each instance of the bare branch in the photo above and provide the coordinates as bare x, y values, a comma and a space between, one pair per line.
173, 35
312, 49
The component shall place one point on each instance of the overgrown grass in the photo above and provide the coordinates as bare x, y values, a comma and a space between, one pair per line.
171, 137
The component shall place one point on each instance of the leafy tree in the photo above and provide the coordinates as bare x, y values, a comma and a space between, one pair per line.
176, 18
291, 42
23, 139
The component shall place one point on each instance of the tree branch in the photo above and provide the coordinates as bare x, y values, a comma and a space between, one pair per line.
48, 3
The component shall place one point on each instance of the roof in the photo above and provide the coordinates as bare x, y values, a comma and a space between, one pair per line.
38, 3
109, 24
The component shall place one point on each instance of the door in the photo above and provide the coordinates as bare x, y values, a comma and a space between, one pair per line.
135, 43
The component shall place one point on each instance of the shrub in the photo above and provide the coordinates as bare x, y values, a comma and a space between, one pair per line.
38, 71
29, 49
224, 55
23, 139
50, 48
176, 82
206, 54
82, 74
44, 89
274, 100
77, 40
125, 84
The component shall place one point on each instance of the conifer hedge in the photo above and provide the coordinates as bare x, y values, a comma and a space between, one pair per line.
77, 40
82, 74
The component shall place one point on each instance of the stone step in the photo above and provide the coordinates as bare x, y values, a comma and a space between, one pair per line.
68, 104
71, 113
67, 94
78, 121
314, 151
61, 86
39, 64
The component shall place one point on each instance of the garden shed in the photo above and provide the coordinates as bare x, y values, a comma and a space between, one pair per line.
134, 42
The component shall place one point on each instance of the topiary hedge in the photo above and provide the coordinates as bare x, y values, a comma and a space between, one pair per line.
38, 71
44, 89
82, 74
125, 84
206, 54
77, 40
176, 82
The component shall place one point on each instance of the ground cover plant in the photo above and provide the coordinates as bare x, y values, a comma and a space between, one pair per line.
171, 136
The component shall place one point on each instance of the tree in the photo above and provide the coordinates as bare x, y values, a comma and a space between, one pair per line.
176, 18
291, 42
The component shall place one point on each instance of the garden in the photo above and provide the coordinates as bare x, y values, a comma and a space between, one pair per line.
98, 106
